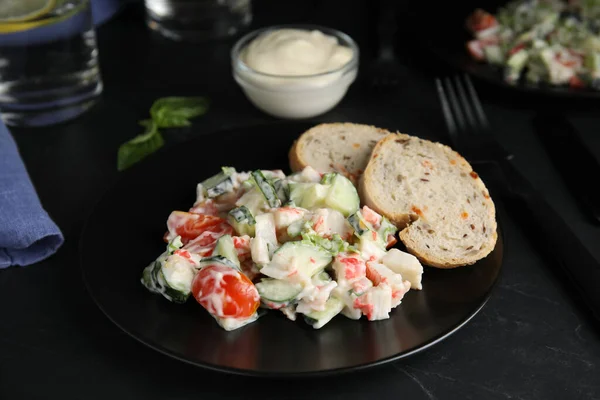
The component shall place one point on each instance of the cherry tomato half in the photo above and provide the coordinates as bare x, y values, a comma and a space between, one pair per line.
225, 292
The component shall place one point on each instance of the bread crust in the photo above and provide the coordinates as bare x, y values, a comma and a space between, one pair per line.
403, 218
295, 156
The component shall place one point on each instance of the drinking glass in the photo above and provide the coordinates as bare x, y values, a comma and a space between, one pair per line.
48, 61
197, 20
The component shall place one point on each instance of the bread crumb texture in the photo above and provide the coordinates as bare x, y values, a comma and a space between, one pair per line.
432, 193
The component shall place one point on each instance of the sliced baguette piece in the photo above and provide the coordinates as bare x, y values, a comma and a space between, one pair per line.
337, 147
443, 209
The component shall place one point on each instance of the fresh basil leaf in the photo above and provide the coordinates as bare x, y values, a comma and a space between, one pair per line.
139, 147
175, 112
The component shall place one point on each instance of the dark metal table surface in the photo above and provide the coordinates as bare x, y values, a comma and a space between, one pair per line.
533, 340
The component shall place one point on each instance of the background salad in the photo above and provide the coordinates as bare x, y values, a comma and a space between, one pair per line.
543, 41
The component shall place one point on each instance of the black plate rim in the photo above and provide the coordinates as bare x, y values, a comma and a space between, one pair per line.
266, 374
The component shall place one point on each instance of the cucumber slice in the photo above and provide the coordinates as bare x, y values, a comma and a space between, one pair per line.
172, 294
242, 221
308, 259
342, 196
173, 279
218, 260
493, 54
150, 273
278, 291
328, 178
226, 248
220, 183
322, 277
318, 319
253, 200
517, 61
592, 63
308, 195
359, 224
149, 278
242, 214
295, 228
266, 188
282, 190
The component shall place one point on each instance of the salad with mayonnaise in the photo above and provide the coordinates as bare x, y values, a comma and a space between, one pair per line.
545, 41
299, 244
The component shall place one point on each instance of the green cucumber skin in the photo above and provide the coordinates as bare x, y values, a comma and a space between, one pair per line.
242, 215
218, 260
266, 188
354, 221
219, 184
282, 190
263, 287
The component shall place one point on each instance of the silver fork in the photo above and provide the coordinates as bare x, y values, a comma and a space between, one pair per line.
470, 134
467, 124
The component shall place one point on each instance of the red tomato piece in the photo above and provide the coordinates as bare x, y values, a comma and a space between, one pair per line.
481, 20
225, 292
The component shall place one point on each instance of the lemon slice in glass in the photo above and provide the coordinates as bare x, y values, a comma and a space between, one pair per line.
12, 11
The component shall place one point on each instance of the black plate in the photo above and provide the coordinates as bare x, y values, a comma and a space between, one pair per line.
124, 233
447, 38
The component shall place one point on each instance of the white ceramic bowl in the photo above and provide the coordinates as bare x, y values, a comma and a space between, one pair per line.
295, 97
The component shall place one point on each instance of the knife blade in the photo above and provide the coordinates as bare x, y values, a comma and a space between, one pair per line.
572, 158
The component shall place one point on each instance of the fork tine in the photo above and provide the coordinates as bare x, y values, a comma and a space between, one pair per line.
467, 108
455, 105
476, 102
450, 123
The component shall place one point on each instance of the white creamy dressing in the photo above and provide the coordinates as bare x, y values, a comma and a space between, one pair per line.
196, 246
295, 73
317, 299
327, 222
376, 303
307, 175
230, 324
295, 52
406, 265
369, 283
215, 300
179, 270
285, 216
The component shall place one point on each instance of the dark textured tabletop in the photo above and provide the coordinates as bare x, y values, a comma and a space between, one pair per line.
533, 339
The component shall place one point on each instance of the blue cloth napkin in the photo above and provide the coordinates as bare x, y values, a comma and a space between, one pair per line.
27, 233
